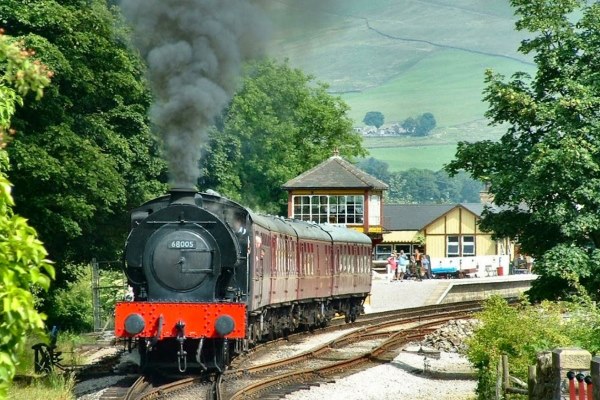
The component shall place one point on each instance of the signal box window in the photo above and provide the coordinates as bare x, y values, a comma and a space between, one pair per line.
332, 209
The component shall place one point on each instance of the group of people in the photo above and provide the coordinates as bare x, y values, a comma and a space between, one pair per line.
401, 266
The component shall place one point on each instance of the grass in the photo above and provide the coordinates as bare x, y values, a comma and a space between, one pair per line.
51, 387
55, 386
448, 83
402, 57
430, 152
421, 157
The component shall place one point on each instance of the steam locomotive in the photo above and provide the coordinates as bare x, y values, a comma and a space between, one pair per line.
211, 278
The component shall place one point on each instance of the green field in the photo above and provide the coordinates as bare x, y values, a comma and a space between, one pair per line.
401, 157
403, 57
450, 95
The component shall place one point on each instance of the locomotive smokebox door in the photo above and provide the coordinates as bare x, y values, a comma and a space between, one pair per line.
182, 258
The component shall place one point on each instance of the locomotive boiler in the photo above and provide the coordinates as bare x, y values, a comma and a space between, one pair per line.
211, 278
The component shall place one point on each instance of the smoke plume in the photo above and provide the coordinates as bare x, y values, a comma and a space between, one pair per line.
194, 50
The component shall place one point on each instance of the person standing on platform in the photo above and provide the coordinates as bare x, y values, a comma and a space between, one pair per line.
418, 260
426, 265
391, 266
402, 263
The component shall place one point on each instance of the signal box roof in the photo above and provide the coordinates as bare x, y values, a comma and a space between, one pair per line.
335, 173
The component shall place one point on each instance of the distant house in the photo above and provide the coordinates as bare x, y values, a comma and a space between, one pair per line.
448, 233
337, 192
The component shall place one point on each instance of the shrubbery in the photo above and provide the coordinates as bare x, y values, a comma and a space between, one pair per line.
72, 308
521, 332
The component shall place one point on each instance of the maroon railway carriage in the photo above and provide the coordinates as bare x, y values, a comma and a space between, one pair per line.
211, 278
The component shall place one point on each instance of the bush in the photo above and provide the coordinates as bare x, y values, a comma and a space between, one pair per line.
71, 308
521, 332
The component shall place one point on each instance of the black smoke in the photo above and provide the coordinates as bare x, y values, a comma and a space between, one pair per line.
194, 51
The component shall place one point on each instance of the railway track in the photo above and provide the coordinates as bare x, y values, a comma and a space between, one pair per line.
372, 340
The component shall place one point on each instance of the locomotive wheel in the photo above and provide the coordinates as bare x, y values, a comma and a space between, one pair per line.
346, 318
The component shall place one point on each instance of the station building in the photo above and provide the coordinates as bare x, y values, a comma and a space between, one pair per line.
337, 192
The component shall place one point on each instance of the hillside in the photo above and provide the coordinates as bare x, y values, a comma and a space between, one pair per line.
403, 57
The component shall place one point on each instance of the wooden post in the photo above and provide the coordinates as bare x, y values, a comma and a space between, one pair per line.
499, 380
505, 375
532, 380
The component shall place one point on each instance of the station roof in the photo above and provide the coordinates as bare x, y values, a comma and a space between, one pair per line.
414, 217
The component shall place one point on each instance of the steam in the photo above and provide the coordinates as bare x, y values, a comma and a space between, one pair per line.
194, 50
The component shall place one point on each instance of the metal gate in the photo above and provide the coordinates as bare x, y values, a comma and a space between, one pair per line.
109, 285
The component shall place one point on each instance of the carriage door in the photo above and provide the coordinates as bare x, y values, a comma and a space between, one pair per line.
336, 270
258, 263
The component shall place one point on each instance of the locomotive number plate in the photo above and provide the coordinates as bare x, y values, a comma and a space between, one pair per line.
182, 244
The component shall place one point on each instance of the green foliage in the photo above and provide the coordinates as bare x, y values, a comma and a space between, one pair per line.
374, 167
373, 118
72, 308
19, 76
23, 266
24, 269
409, 125
420, 126
425, 124
278, 125
544, 173
86, 155
502, 332
423, 186
72, 305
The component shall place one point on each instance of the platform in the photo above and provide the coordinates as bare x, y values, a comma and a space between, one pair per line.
410, 293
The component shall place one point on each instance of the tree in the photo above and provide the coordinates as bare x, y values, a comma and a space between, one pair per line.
409, 125
544, 173
374, 118
376, 168
23, 264
87, 156
278, 125
425, 124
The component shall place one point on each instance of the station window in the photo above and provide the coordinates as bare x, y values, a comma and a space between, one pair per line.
468, 246
460, 246
453, 246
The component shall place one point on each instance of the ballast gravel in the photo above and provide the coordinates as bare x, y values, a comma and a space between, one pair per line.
403, 378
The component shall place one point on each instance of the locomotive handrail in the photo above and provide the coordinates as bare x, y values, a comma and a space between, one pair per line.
179, 222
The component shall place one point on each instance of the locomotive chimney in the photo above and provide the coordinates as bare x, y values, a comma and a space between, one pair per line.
185, 196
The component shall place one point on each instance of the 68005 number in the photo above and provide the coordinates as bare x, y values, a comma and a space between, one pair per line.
182, 244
